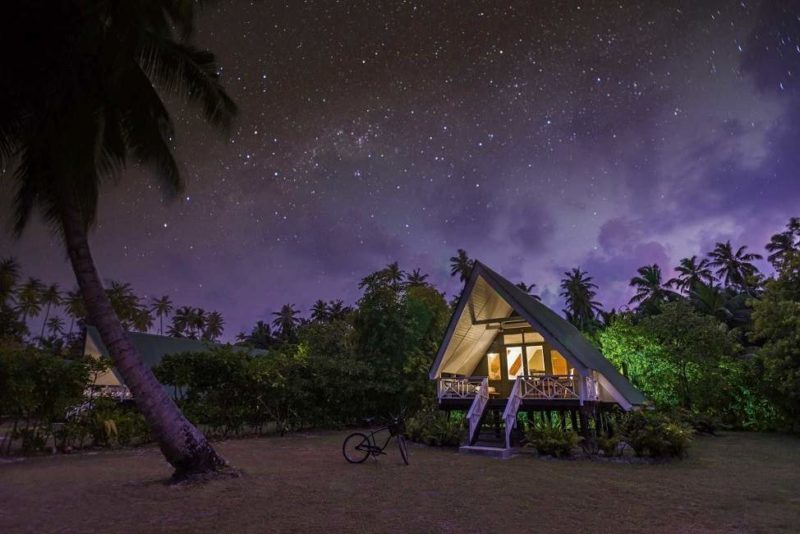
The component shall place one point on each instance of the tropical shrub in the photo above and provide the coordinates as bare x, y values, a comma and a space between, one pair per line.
433, 427
777, 326
549, 440
683, 359
654, 434
36, 389
610, 445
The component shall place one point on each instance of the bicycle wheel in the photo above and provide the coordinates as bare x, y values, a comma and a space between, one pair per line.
356, 448
401, 442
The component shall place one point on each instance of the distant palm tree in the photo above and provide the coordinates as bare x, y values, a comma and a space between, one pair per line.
260, 337
9, 275
125, 303
161, 307
286, 320
50, 296
780, 246
29, 297
319, 311
784, 244
690, 273
337, 311
197, 322
82, 103
710, 300
141, 319
608, 317
461, 265
734, 269
55, 326
416, 278
394, 275
578, 292
181, 322
649, 287
75, 308
528, 288
214, 327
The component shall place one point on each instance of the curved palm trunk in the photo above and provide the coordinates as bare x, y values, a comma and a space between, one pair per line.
183, 445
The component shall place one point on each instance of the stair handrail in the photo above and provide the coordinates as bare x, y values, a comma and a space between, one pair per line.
475, 413
512, 407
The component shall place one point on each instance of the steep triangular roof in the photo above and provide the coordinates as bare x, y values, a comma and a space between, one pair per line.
556, 330
152, 348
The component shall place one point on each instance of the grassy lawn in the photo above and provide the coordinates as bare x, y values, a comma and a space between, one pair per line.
737, 482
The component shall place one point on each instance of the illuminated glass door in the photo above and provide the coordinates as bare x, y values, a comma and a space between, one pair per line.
514, 362
534, 357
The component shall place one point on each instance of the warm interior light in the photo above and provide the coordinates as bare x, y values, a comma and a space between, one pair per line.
494, 366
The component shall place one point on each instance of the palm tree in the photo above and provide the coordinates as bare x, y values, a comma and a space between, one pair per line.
337, 311
161, 307
710, 300
319, 311
125, 303
461, 265
578, 292
141, 319
55, 326
9, 275
197, 322
784, 244
780, 246
690, 273
75, 307
416, 278
215, 325
528, 288
49, 296
181, 321
260, 337
71, 120
733, 268
29, 296
286, 320
649, 287
394, 275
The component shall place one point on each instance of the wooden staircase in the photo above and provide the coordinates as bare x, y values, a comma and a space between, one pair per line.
495, 441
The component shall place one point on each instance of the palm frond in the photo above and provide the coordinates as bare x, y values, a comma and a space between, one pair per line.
191, 74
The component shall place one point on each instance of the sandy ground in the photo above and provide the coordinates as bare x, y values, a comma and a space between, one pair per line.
301, 483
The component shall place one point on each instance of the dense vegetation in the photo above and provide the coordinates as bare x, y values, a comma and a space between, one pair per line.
718, 343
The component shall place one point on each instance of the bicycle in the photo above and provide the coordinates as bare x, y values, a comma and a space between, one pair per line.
357, 447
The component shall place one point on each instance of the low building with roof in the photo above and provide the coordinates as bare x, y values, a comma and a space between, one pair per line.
151, 347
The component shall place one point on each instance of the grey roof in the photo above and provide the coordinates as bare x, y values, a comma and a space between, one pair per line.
553, 327
152, 348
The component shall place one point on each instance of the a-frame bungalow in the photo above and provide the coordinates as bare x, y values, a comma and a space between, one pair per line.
506, 352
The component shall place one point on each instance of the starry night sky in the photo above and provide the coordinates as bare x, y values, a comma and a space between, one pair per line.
539, 136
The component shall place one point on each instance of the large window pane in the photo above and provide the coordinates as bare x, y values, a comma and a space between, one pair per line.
558, 362
494, 366
514, 362
535, 357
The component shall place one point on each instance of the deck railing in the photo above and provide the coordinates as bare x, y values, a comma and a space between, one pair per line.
557, 387
475, 413
459, 388
536, 386
510, 413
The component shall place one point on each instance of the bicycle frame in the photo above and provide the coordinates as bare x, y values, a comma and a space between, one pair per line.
374, 442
